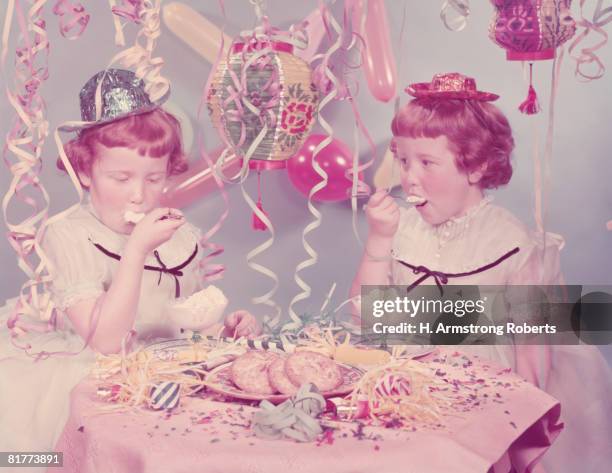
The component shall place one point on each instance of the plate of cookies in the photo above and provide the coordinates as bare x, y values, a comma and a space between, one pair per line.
275, 377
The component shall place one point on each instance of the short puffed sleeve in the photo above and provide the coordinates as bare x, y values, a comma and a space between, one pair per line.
77, 269
540, 262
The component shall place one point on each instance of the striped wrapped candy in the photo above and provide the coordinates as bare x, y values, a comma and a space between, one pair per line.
165, 395
392, 385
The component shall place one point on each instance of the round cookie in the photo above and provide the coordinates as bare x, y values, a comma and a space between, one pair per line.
311, 367
278, 378
250, 372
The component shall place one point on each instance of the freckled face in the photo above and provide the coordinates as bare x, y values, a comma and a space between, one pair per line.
429, 170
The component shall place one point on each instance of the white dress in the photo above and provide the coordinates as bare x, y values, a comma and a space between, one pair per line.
35, 395
578, 376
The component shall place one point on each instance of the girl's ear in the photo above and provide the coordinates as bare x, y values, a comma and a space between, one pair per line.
475, 175
84, 179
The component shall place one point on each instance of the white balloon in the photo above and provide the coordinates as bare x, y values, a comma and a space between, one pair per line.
196, 31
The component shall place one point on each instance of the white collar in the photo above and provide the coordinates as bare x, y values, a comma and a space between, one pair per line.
456, 226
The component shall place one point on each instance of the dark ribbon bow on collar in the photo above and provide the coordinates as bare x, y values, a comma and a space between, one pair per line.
442, 278
175, 271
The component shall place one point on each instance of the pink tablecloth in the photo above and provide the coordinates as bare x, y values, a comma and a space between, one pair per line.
501, 420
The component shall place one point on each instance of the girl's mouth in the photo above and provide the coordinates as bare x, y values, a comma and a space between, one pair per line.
416, 200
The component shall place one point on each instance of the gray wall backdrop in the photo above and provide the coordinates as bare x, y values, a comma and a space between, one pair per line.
580, 198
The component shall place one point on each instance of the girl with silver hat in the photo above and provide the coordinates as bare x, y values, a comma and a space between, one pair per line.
118, 262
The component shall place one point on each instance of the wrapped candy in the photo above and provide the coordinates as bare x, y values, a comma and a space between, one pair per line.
392, 385
165, 395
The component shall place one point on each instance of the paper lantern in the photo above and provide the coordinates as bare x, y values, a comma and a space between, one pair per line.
531, 30
267, 101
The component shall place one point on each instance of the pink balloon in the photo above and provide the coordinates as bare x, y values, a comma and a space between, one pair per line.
335, 159
378, 59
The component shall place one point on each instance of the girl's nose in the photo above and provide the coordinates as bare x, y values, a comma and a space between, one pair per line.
137, 192
409, 174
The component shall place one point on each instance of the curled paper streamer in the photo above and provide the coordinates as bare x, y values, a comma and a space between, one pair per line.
587, 55
140, 55
542, 165
72, 16
22, 154
257, 47
315, 29
128, 9
461, 12
270, 321
294, 418
316, 223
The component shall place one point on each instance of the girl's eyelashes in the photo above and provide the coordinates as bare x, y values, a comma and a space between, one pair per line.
125, 178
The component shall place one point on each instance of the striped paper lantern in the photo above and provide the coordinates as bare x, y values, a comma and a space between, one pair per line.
531, 30
279, 85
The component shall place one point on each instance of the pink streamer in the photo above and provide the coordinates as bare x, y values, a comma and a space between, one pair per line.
211, 271
22, 154
129, 9
71, 16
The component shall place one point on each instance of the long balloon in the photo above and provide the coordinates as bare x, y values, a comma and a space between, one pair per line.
195, 30
196, 182
378, 59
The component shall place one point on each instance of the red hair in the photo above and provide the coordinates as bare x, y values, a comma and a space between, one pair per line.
154, 134
478, 134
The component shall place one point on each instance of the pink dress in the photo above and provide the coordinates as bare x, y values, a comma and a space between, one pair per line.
577, 375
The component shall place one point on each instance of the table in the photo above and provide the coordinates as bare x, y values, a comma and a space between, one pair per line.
499, 420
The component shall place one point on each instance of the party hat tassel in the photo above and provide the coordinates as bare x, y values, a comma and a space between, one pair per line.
530, 106
257, 223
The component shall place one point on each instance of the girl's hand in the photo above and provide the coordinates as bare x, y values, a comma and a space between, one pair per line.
242, 324
383, 215
155, 228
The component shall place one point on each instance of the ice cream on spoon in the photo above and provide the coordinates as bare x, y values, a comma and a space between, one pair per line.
416, 200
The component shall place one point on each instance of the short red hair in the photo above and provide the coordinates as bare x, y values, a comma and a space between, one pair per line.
478, 134
154, 134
